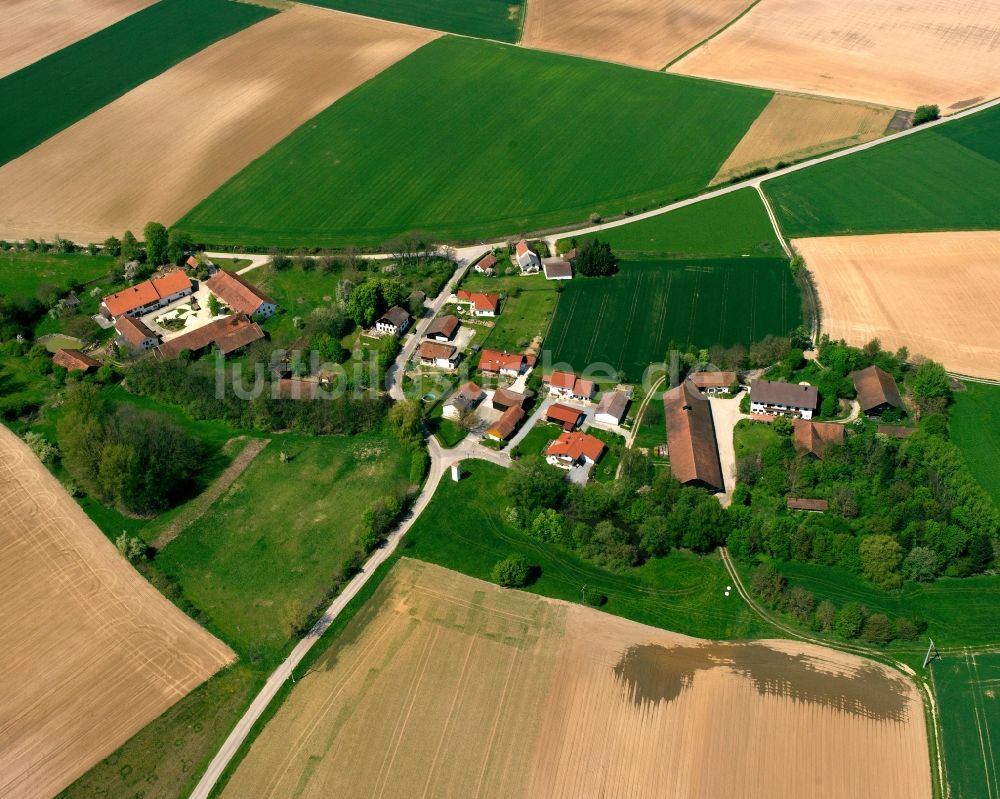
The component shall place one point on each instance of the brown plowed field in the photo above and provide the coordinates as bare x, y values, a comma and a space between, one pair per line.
901, 53
33, 29
159, 149
447, 686
644, 33
89, 651
794, 127
935, 293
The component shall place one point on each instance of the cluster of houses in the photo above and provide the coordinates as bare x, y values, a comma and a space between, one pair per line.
529, 262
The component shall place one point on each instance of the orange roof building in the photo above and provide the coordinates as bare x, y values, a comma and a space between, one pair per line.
571, 449
812, 438
506, 363
567, 384
239, 295
74, 361
148, 295
229, 334
135, 333
564, 415
481, 304
505, 426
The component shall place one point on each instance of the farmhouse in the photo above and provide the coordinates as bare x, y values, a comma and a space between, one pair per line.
147, 296
564, 415
557, 269
503, 363
612, 407
877, 391
814, 505
481, 305
433, 353
505, 426
240, 296
574, 449
812, 438
713, 382
393, 322
228, 334
443, 328
467, 398
527, 259
504, 398
134, 335
894, 431
773, 398
693, 450
75, 361
567, 384
486, 265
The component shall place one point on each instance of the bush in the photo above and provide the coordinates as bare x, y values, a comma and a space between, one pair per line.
906, 630
850, 620
511, 572
877, 629
925, 113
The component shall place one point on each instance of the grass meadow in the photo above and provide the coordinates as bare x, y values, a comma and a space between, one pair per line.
22, 274
60, 89
463, 529
946, 178
487, 19
969, 704
731, 225
482, 140
975, 428
268, 550
526, 313
632, 319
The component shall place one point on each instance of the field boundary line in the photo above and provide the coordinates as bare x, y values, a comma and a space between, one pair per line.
496, 720
631, 320
711, 36
983, 730
774, 221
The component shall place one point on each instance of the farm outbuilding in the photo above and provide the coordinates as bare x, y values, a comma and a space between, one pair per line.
693, 449
877, 391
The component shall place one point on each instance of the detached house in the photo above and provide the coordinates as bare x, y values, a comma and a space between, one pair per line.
467, 398
134, 335
393, 322
557, 269
568, 385
612, 408
148, 296
239, 295
527, 259
574, 449
480, 305
443, 328
509, 364
442, 356
783, 399
486, 265
877, 391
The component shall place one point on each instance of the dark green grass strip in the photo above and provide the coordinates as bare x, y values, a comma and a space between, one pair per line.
975, 428
64, 87
486, 19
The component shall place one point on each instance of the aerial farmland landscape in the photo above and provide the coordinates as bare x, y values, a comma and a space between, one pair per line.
500, 398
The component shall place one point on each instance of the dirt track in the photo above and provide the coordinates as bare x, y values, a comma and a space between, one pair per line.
474, 691
159, 149
90, 652
644, 33
893, 52
33, 29
934, 293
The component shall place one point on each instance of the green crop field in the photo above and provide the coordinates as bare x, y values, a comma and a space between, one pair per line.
22, 274
731, 225
975, 428
487, 19
968, 699
60, 89
630, 320
946, 178
463, 529
467, 139
267, 551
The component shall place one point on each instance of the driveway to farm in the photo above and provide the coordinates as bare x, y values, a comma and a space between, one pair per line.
725, 415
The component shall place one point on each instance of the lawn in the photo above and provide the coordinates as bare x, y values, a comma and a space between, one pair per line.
526, 313
517, 140
267, 551
487, 19
731, 225
537, 439
60, 89
653, 425
752, 438
632, 319
22, 274
975, 428
946, 178
606, 467
969, 704
463, 529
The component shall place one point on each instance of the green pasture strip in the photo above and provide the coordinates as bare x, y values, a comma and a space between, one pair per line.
975, 429
22, 274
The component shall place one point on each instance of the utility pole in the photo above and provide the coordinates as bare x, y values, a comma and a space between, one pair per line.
927, 657
583, 594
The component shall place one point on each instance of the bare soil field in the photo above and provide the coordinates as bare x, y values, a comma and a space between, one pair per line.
33, 29
935, 293
794, 127
89, 651
643, 33
158, 150
902, 53
447, 686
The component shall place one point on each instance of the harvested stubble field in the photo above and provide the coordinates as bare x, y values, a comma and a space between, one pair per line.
630, 320
518, 140
935, 293
232, 102
52, 94
795, 127
643, 33
475, 691
91, 652
894, 53
489, 19
34, 28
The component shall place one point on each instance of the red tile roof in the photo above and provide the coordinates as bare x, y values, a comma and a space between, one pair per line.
192, 261
432, 350
576, 446
564, 380
237, 293
494, 361
171, 283
800, 503
133, 330
507, 423
466, 397
480, 301
147, 292
563, 414
522, 247
74, 361
876, 387
895, 431
712, 379
294, 389
813, 437
505, 398
691, 444
229, 334
487, 262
